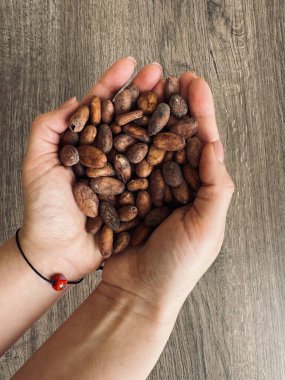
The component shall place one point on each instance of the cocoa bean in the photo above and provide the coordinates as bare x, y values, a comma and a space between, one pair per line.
168, 195
109, 215
155, 155
143, 203
111, 155
140, 234
68, 155
79, 119
147, 102
88, 134
169, 156
91, 156
106, 171
169, 141
86, 199
126, 226
69, 138
157, 186
122, 168
126, 198
192, 177
95, 110
93, 225
137, 184
172, 173
109, 198
134, 90
123, 142
107, 185
143, 121
127, 213
178, 106
171, 87
128, 117
186, 127
136, 132
79, 170
104, 138
106, 241
180, 157
122, 240
181, 192
193, 151
143, 169
156, 216
107, 111
123, 102
137, 153
115, 128
158, 119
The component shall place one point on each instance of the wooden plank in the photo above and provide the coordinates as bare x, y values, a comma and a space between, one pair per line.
232, 325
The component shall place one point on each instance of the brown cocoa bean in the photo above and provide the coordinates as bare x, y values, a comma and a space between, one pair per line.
143, 203
122, 240
155, 155
79, 170
91, 156
156, 216
122, 168
127, 213
109, 215
140, 234
172, 173
172, 121
115, 128
181, 192
171, 87
106, 241
104, 138
128, 117
137, 184
126, 226
106, 171
180, 157
137, 153
147, 102
123, 142
95, 110
68, 155
123, 102
186, 127
86, 199
143, 121
169, 141
193, 151
157, 186
192, 177
93, 225
107, 185
111, 155
143, 169
69, 138
126, 198
107, 111
79, 119
178, 106
158, 119
168, 195
88, 134
169, 156
134, 90
136, 132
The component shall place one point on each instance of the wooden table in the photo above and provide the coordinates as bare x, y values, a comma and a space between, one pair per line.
232, 325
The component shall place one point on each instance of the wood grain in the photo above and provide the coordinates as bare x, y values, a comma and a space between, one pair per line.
232, 325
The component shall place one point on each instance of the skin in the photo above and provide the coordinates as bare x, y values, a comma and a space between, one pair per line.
143, 289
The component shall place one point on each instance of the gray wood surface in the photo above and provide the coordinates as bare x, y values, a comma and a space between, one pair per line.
232, 325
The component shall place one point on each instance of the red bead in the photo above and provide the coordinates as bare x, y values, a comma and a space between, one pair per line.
59, 282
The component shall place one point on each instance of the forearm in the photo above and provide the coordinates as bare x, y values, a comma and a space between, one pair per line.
110, 338
24, 296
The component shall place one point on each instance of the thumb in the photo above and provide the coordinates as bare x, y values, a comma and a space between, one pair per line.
46, 130
215, 194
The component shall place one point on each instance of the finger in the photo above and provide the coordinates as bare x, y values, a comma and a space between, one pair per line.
214, 196
148, 77
113, 79
159, 90
184, 82
202, 108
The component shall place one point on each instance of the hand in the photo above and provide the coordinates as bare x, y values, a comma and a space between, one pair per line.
161, 273
53, 234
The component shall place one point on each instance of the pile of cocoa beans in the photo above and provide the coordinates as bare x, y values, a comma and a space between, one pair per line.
135, 161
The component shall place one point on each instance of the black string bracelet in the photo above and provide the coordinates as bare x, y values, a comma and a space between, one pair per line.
58, 281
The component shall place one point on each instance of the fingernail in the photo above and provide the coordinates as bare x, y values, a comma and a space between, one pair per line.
132, 59
219, 150
69, 102
157, 64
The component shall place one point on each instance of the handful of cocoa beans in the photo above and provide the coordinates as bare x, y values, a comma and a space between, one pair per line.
135, 161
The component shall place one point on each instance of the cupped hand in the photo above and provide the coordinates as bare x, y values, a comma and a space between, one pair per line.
162, 272
53, 234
